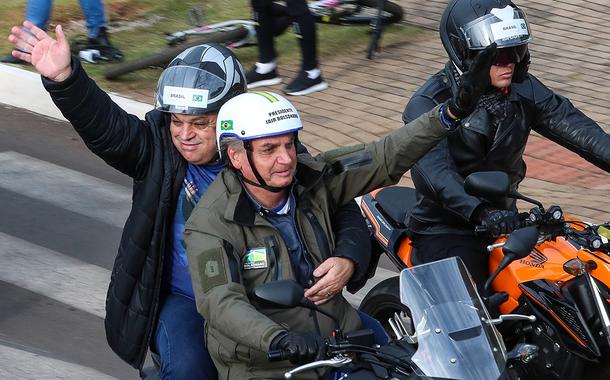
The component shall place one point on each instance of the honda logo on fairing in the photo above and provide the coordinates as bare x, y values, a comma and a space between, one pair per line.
535, 259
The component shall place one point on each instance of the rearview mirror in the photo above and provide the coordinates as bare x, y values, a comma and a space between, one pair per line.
492, 184
283, 293
520, 243
287, 294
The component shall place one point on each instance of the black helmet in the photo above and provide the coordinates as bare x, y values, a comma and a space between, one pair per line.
200, 80
470, 25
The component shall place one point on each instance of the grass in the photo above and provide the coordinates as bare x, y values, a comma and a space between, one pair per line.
170, 16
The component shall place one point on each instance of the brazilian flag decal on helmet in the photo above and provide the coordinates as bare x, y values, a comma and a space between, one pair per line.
226, 125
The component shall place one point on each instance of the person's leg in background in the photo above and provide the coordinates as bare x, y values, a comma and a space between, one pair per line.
264, 72
94, 16
38, 13
180, 341
309, 78
97, 32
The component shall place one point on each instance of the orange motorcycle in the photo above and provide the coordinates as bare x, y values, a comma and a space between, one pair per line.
564, 282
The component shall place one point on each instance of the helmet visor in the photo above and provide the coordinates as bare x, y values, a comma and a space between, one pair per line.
507, 27
187, 90
509, 55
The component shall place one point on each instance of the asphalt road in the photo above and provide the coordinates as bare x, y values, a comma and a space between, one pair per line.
57, 245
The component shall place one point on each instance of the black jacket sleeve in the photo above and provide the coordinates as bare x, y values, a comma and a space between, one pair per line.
352, 237
122, 140
558, 120
435, 175
353, 241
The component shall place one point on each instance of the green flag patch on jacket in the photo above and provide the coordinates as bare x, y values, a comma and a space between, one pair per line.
212, 269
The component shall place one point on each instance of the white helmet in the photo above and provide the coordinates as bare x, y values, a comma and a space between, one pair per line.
256, 114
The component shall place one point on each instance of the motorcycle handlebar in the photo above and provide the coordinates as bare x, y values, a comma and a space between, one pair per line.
278, 355
481, 230
484, 230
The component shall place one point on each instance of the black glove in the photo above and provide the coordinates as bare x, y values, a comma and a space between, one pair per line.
498, 222
302, 347
473, 83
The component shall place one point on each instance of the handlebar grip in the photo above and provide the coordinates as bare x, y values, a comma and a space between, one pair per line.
278, 355
481, 230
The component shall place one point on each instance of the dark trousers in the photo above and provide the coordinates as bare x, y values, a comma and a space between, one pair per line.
272, 22
471, 249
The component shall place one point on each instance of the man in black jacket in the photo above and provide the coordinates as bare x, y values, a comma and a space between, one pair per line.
493, 137
172, 158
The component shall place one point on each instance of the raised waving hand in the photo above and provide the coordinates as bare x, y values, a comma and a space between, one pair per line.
49, 56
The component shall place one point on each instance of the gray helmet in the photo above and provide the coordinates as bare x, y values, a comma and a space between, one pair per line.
468, 26
200, 80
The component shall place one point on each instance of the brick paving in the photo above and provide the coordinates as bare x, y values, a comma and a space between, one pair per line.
570, 54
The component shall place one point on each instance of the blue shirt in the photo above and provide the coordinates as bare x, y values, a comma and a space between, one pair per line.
283, 218
195, 183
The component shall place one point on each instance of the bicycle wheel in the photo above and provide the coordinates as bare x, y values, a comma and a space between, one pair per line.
362, 12
164, 56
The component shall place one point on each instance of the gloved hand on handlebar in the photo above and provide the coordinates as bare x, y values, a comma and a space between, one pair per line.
472, 84
302, 347
497, 222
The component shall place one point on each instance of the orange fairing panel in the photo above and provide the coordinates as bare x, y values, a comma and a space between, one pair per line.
545, 262
405, 251
374, 192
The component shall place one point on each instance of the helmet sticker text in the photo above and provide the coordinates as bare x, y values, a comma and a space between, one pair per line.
509, 29
281, 116
185, 97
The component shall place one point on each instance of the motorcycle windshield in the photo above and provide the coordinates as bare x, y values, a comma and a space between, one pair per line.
456, 339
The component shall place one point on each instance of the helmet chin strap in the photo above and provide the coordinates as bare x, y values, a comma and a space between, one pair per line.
261, 182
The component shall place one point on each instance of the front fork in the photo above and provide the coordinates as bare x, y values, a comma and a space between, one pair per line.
600, 305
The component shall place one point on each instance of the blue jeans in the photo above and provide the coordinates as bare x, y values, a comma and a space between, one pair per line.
38, 12
180, 341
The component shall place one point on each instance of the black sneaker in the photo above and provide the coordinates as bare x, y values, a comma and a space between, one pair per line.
303, 85
14, 60
255, 79
102, 43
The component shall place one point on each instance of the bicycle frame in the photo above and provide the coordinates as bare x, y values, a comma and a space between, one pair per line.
181, 36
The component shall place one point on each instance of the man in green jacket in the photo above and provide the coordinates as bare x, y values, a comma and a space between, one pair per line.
267, 217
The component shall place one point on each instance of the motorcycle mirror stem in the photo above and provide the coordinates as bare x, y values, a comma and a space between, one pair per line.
517, 195
519, 245
493, 184
288, 294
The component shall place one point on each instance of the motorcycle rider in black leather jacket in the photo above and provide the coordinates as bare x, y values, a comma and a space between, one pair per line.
493, 137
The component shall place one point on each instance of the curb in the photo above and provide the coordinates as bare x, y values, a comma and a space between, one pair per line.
23, 89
